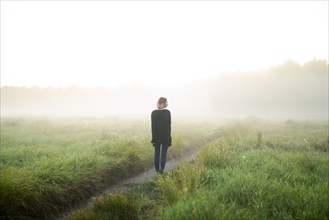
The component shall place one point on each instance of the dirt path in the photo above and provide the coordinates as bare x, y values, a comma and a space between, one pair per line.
127, 184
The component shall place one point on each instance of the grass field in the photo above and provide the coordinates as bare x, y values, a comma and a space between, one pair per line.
256, 170
49, 164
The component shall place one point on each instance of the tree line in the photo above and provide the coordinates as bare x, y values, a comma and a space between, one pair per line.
286, 90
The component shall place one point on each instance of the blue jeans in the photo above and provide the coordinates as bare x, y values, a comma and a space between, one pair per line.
160, 162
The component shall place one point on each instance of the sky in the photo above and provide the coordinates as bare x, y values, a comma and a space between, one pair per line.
124, 43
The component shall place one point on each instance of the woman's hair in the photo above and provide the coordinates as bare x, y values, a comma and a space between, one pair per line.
163, 100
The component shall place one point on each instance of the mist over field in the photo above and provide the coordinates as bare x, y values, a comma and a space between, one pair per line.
290, 90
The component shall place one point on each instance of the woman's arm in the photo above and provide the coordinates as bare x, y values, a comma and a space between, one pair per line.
153, 127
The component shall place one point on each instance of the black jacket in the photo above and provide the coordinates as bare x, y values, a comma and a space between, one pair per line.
161, 127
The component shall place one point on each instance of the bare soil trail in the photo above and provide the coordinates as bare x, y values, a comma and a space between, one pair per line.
126, 184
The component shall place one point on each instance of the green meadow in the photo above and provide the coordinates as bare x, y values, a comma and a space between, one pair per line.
255, 170
48, 165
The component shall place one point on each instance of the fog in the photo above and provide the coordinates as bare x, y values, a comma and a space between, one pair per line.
290, 90
141, 50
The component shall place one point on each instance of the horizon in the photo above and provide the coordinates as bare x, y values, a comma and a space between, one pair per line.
288, 90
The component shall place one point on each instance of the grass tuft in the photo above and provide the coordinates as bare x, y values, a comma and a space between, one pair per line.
110, 207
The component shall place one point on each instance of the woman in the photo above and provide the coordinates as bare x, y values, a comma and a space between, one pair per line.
161, 133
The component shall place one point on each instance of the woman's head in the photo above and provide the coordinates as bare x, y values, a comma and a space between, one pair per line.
162, 103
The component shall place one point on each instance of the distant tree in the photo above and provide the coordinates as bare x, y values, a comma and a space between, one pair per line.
316, 67
289, 67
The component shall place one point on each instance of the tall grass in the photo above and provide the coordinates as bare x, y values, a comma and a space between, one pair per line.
245, 175
47, 165
289, 181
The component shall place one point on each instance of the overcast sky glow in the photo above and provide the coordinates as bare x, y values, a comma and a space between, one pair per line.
87, 43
